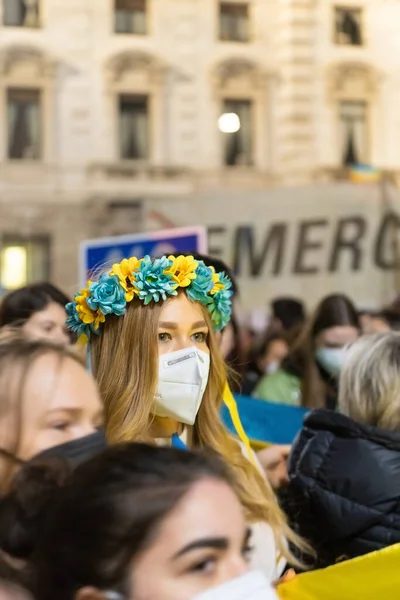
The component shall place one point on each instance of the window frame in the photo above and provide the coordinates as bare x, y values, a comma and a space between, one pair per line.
232, 3
349, 7
131, 33
366, 103
43, 240
253, 105
147, 96
15, 88
38, 25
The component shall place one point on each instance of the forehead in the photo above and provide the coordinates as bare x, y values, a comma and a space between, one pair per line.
340, 335
182, 311
51, 312
209, 509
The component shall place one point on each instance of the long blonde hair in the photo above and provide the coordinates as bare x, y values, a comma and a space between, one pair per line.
125, 364
370, 381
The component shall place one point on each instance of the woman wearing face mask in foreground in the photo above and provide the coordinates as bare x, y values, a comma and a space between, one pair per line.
135, 523
46, 398
162, 378
309, 375
344, 492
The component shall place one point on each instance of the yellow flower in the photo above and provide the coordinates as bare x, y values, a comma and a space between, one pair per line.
125, 271
218, 285
182, 270
100, 318
86, 315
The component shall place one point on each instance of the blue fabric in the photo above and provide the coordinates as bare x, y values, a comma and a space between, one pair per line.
177, 442
266, 421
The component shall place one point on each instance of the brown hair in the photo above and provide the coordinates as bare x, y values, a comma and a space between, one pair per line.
18, 354
333, 311
125, 363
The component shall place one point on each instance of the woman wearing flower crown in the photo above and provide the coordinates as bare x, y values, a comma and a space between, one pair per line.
150, 325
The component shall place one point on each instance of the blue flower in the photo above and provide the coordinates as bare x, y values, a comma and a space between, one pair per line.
107, 295
152, 282
73, 321
220, 308
202, 285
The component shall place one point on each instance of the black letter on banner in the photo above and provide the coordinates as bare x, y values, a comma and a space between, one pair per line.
304, 244
388, 237
244, 246
216, 250
348, 241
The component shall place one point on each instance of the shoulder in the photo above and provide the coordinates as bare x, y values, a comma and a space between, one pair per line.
337, 453
280, 387
265, 555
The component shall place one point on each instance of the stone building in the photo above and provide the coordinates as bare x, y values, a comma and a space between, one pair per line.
110, 107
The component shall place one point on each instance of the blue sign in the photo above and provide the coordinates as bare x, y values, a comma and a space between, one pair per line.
99, 255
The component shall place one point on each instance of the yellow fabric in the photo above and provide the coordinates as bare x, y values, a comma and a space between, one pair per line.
375, 576
230, 402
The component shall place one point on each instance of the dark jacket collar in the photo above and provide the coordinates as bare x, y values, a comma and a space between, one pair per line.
344, 427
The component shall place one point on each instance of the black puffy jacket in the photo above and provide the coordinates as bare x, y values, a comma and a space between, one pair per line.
344, 491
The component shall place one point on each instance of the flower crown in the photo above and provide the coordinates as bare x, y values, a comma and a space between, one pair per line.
150, 280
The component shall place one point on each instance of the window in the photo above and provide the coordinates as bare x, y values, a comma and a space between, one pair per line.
130, 16
21, 13
134, 127
23, 262
24, 124
234, 22
348, 26
353, 132
238, 138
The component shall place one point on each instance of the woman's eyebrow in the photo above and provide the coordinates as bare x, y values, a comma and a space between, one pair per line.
218, 543
167, 325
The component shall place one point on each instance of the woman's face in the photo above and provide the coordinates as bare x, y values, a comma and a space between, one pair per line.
182, 325
201, 544
48, 324
60, 403
276, 352
336, 337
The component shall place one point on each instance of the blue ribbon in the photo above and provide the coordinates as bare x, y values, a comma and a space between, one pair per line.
177, 442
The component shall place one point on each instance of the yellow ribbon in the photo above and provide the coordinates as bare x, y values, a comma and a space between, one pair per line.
230, 402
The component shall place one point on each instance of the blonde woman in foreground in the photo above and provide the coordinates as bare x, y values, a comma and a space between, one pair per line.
344, 469
151, 327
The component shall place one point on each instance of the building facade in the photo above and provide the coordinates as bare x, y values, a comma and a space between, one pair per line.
110, 107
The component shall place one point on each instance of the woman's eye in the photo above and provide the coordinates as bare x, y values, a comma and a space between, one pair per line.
200, 337
247, 552
60, 426
164, 337
205, 566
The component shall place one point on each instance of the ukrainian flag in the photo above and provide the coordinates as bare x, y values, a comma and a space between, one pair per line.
364, 174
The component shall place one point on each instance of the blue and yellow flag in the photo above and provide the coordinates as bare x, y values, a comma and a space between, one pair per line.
375, 576
364, 174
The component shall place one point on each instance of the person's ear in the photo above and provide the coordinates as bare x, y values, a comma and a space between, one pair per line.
89, 593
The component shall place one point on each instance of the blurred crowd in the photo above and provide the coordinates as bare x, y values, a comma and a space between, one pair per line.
86, 514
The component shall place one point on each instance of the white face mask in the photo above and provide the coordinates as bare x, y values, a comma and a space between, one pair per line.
272, 368
182, 381
251, 586
331, 359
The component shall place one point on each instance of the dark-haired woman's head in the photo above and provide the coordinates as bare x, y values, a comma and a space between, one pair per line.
268, 354
334, 326
39, 309
139, 521
318, 352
